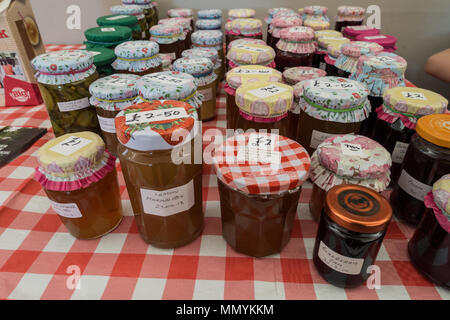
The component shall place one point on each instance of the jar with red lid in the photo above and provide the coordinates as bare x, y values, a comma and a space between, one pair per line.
349, 16
388, 42
352, 32
271, 15
279, 23
347, 61
171, 39
244, 28
251, 54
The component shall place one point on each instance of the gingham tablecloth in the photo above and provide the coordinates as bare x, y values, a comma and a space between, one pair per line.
36, 250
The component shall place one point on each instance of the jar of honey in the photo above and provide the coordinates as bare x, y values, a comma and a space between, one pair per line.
171, 39
136, 11
182, 13
352, 32
137, 57
349, 16
103, 58
251, 54
347, 62
278, 24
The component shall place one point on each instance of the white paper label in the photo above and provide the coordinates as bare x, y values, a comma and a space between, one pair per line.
399, 152
155, 116
166, 79
338, 262
359, 28
262, 141
116, 17
318, 137
247, 71
70, 145
321, 84
108, 29
74, 105
207, 94
413, 187
107, 124
354, 150
322, 65
168, 202
247, 48
172, 55
95, 53
261, 149
414, 95
384, 59
67, 210
267, 91
375, 37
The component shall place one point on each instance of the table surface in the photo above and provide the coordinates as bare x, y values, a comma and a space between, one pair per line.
36, 251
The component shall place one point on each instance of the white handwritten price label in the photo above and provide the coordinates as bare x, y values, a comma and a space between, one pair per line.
250, 71
384, 59
155, 116
70, 145
413, 187
116, 17
359, 28
320, 84
107, 124
354, 150
414, 95
261, 149
207, 94
318, 137
249, 48
399, 152
267, 91
67, 210
262, 141
339, 262
108, 29
166, 79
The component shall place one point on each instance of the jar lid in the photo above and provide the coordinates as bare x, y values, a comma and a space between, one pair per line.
315, 10
145, 4
114, 92
246, 41
286, 14
243, 54
317, 23
354, 31
360, 48
241, 13
350, 11
251, 73
295, 75
334, 51
159, 125
167, 85
285, 22
102, 56
118, 20
297, 34
180, 12
327, 33
207, 38
108, 35
265, 99
127, 9
209, 53
384, 40
325, 41
208, 24
185, 23
441, 194
137, 50
273, 11
358, 209
248, 26
261, 163
435, 128
209, 14
197, 67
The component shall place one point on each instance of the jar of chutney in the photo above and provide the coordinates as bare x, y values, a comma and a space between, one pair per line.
103, 58
149, 8
137, 57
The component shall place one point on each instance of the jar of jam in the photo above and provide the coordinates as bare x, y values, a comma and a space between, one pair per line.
251, 54
240, 76
150, 10
330, 106
136, 11
163, 179
243, 41
311, 12
429, 248
64, 78
245, 28
240, 13
182, 13
347, 61
171, 39
319, 55
347, 159
317, 23
210, 53
122, 20
349, 16
137, 57
260, 176
379, 73
269, 19
397, 118
183, 23
388, 42
110, 95
210, 14
323, 42
80, 180
292, 76
351, 231
103, 58
208, 24
352, 32
210, 39
107, 37
427, 159
264, 106
333, 53
279, 23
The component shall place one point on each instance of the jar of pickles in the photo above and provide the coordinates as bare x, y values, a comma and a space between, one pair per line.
212, 39
138, 12
80, 180
182, 13
351, 231
349, 16
185, 23
210, 14
103, 58
427, 159
397, 119
251, 54
278, 24
150, 11
295, 49
170, 38
243, 41
110, 95
210, 53
260, 177
323, 41
64, 78
240, 76
330, 106
202, 69
388, 42
292, 76
122, 20
347, 159
244, 28
107, 37
163, 178
137, 57
347, 62
429, 248
208, 24
264, 106
352, 32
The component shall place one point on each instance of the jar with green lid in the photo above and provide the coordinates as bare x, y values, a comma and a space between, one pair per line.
64, 78
103, 58
137, 57
138, 12
150, 11
122, 20
107, 37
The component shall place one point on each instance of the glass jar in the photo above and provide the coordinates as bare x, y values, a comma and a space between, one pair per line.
251, 54
137, 57
210, 39
278, 24
182, 13
429, 248
426, 160
122, 20
107, 37
347, 159
257, 207
346, 62
309, 12
350, 234
271, 13
244, 41
318, 60
110, 95
163, 181
352, 32
324, 41
103, 58
183, 23
330, 106
170, 38
80, 180
138, 12
64, 78
295, 49
333, 53
210, 53
349, 16
386, 41
244, 28
397, 118
149, 9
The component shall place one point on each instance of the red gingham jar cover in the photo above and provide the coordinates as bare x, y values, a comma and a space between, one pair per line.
261, 163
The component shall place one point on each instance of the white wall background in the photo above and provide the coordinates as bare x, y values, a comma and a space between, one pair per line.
423, 27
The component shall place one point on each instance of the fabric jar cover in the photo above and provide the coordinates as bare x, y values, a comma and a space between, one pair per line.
202, 69
180, 12
381, 72
317, 23
327, 33
61, 67
137, 56
208, 39
333, 52
167, 33
115, 92
351, 159
210, 14
353, 31
131, 10
246, 27
298, 40
145, 4
250, 74
335, 99
279, 23
73, 161
185, 23
349, 13
439, 200
324, 41
107, 36
387, 41
244, 54
210, 53
169, 85
120, 20
241, 14
409, 104
273, 11
350, 53
294, 75
173, 124
315, 10
208, 24
166, 61
245, 41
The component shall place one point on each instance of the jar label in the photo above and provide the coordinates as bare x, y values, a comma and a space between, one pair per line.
384, 59
267, 91
116, 17
70, 145
375, 37
166, 79
359, 28
107, 124
207, 94
338, 262
326, 84
318, 137
248, 48
67, 210
413, 187
108, 29
247, 71
399, 152
168, 202
322, 66
74, 105
155, 116
414, 95
354, 150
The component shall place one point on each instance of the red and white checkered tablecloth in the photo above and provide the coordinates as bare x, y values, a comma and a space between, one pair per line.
36, 250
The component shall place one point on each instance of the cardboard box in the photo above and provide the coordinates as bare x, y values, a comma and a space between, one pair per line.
20, 42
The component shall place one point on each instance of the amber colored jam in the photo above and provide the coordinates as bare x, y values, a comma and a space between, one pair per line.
368, 125
232, 111
142, 73
340, 25
257, 225
208, 108
423, 165
109, 137
319, 61
177, 48
280, 125
429, 250
317, 202
99, 204
285, 60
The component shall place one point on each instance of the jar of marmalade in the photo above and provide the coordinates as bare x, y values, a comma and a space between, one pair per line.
183, 23
136, 11
137, 57
122, 20
330, 106
150, 10
279, 23
264, 106
80, 180
103, 58
251, 54
347, 159
110, 95
429, 248
107, 37
352, 32
351, 231
388, 42
397, 118
295, 49
427, 159
163, 179
182, 13
210, 39
243, 41
347, 62
240, 76
269, 19
171, 39
260, 176
349, 16
323, 42
210, 53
